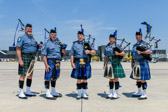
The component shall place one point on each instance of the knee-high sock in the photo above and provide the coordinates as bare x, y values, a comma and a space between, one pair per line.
139, 84
53, 84
79, 85
21, 84
84, 85
28, 82
144, 85
47, 84
111, 84
116, 85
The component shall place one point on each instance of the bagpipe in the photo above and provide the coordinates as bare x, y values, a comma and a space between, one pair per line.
146, 45
63, 46
39, 46
88, 45
121, 47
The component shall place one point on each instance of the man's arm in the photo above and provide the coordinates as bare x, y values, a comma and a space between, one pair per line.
18, 50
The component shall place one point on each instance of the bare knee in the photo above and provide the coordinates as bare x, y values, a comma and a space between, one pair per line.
85, 81
143, 81
78, 81
116, 79
22, 78
111, 80
30, 77
138, 80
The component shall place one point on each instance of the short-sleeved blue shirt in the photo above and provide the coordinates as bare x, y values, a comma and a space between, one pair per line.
52, 49
27, 44
77, 50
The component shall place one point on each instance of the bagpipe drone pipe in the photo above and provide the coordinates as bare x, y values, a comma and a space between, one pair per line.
145, 45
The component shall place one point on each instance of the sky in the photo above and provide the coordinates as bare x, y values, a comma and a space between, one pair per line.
100, 18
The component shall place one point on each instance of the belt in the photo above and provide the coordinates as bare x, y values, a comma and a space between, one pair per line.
30, 54
137, 60
53, 59
111, 57
81, 59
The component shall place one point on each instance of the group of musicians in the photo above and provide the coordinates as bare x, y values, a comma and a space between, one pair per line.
81, 69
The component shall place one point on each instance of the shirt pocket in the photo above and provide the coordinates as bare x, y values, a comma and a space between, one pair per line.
77, 49
57, 48
27, 43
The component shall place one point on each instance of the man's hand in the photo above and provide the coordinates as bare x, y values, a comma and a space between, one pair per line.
87, 51
117, 53
47, 67
63, 51
21, 63
73, 66
104, 67
139, 52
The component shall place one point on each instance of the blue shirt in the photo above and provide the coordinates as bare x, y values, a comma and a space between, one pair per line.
52, 49
27, 44
109, 50
78, 50
134, 53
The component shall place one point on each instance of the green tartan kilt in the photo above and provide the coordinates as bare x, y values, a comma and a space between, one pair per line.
118, 70
26, 60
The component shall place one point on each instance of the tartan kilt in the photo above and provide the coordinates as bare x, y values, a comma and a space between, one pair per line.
26, 60
145, 71
118, 70
54, 72
76, 74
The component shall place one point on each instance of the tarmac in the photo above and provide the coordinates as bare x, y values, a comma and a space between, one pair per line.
98, 89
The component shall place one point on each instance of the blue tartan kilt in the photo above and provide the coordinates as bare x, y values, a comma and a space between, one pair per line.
76, 72
54, 72
145, 71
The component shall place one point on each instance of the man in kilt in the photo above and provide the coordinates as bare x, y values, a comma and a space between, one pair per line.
51, 53
80, 63
144, 72
26, 49
116, 67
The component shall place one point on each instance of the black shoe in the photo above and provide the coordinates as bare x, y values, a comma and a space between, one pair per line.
142, 98
30, 95
59, 95
136, 95
78, 98
22, 97
51, 98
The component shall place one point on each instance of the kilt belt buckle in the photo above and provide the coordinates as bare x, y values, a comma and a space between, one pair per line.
57, 63
135, 60
81, 61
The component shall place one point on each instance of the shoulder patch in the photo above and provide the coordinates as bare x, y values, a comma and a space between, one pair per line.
19, 39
